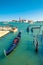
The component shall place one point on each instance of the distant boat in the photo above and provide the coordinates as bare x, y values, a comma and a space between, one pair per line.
7, 28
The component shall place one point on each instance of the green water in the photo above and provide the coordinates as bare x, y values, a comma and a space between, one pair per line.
24, 54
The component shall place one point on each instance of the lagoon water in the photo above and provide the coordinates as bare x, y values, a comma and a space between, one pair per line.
24, 54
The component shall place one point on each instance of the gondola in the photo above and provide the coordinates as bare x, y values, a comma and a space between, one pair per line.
13, 45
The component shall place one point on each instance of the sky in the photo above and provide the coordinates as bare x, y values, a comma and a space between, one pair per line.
26, 9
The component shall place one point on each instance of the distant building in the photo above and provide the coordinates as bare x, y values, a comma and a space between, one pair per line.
30, 21
14, 20
20, 19
25, 21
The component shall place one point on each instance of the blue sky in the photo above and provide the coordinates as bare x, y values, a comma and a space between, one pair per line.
26, 9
